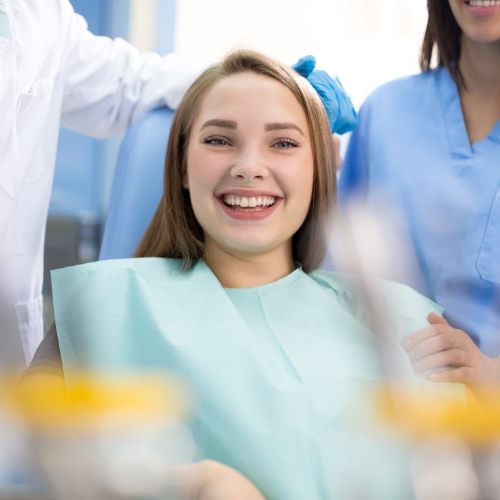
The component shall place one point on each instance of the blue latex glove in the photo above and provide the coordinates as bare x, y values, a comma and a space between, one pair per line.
339, 109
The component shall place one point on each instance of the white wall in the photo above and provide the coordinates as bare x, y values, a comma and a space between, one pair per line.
364, 42
142, 28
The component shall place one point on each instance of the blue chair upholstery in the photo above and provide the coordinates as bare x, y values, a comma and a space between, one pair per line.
137, 184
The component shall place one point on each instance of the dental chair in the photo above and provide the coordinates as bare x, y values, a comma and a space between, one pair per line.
137, 184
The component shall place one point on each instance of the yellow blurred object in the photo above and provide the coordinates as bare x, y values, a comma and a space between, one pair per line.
45, 400
96, 436
422, 414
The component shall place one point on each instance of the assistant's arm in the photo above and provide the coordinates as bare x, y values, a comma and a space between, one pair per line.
108, 83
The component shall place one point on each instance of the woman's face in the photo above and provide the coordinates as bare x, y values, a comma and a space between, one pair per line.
478, 19
249, 166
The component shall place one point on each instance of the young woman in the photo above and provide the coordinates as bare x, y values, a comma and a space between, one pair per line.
432, 143
275, 352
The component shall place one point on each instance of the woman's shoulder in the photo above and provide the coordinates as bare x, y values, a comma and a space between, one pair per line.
348, 283
339, 282
406, 90
397, 298
113, 266
120, 272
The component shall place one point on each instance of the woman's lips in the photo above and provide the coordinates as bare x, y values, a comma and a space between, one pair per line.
255, 207
235, 200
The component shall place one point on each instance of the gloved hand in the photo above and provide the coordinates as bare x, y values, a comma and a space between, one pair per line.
339, 109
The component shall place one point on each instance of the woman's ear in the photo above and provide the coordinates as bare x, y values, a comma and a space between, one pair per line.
185, 182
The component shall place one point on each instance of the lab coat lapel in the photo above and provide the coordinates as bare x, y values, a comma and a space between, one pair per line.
8, 74
10, 156
9, 151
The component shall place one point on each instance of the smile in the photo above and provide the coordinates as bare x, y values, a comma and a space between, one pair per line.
249, 207
234, 201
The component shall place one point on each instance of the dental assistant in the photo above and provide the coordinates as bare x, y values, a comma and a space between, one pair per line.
54, 72
431, 143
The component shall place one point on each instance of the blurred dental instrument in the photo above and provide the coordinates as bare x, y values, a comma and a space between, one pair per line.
99, 438
369, 244
373, 243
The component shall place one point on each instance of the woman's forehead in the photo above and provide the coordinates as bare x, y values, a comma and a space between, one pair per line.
248, 93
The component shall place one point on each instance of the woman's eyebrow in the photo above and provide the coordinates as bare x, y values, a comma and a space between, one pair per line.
282, 126
217, 122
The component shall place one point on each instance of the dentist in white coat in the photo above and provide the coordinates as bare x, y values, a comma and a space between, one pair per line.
54, 72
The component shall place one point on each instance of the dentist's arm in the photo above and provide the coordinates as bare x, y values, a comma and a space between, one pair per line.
108, 83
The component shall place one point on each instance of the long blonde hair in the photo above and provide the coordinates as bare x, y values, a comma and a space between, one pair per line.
174, 231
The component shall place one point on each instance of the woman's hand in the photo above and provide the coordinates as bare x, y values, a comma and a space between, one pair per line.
210, 480
452, 352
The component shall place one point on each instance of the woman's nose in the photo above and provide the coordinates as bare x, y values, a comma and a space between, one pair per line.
249, 167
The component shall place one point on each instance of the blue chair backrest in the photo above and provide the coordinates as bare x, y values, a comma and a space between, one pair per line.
137, 184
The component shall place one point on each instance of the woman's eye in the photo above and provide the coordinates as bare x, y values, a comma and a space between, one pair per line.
285, 143
216, 141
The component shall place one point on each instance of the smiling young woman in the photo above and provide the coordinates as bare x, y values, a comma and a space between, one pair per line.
287, 128
226, 293
249, 174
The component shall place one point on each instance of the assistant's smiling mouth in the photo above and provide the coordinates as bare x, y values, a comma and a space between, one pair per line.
483, 3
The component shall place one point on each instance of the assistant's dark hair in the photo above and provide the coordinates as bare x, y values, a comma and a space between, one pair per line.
442, 34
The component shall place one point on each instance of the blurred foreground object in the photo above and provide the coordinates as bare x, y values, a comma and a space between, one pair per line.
97, 438
425, 414
455, 443
453, 435
369, 244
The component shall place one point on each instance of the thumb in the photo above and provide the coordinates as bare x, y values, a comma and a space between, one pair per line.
436, 319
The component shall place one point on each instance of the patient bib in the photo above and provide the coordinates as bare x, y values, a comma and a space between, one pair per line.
277, 372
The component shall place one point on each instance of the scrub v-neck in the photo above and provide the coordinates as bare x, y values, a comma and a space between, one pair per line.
454, 119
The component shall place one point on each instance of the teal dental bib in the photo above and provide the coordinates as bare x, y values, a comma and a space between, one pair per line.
276, 372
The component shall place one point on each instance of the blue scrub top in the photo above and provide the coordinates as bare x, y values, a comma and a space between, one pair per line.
411, 146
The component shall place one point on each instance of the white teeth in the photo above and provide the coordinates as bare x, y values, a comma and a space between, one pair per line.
251, 202
484, 3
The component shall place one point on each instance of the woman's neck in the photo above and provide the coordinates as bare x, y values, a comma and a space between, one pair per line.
480, 67
245, 271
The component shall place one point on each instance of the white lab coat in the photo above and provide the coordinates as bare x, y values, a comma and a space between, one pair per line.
54, 72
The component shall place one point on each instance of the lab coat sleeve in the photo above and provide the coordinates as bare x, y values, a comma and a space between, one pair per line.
354, 174
108, 83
